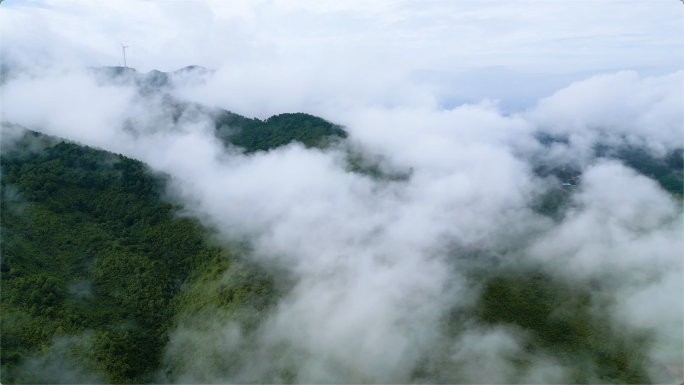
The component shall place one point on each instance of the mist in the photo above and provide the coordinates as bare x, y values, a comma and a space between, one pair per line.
386, 277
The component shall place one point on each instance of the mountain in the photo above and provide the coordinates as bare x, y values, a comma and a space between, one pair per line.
153, 81
278, 130
96, 265
667, 170
99, 272
106, 279
232, 129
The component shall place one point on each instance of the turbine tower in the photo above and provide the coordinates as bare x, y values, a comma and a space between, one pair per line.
124, 52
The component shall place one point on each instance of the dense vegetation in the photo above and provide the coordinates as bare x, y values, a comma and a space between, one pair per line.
667, 170
254, 135
232, 129
564, 321
278, 130
98, 271
97, 266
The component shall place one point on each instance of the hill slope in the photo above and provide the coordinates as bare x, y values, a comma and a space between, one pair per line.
278, 130
95, 265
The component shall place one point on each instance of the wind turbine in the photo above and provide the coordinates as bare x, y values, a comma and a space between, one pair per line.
124, 51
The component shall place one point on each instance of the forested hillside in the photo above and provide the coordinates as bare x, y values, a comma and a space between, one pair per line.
99, 272
668, 170
278, 130
95, 266
250, 134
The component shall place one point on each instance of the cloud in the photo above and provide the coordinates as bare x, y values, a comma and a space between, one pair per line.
621, 104
624, 222
377, 265
60, 364
373, 270
338, 53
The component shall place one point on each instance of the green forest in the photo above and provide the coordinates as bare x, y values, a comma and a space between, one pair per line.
562, 320
278, 130
252, 135
97, 270
667, 170
95, 264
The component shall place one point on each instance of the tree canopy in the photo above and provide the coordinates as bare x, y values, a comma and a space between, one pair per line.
278, 130
92, 255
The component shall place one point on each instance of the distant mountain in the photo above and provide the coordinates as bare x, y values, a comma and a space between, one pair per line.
153, 81
667, 170
193, 70
232, 129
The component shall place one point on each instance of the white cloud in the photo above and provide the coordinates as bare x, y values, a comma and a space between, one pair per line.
619, 104
345, 51
372, 258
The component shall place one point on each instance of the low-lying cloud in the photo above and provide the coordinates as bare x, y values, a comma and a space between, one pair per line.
387, 277
378, 265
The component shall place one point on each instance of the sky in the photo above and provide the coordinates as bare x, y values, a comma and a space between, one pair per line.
454, 90
455, 51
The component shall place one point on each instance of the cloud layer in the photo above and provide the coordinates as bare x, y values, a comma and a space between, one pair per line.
291, 56
378, 266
